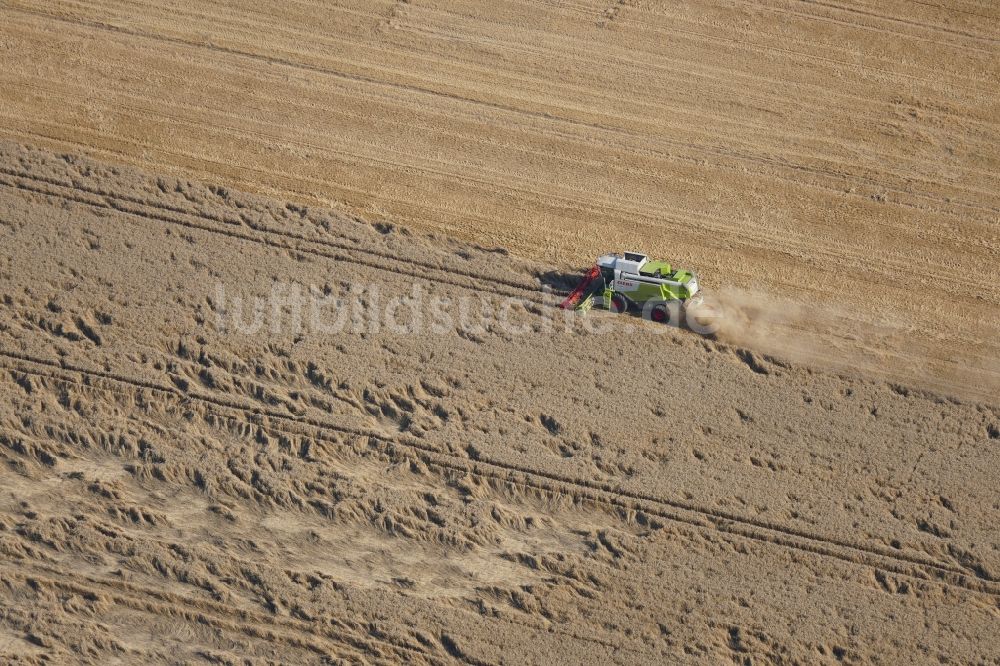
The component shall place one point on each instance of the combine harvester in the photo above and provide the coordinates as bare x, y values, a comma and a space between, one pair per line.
634, 282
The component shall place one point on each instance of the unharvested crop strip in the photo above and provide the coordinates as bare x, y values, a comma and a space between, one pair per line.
597, 493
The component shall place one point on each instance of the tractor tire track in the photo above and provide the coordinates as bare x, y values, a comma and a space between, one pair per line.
907, 22
821, 18
669, 25
204, 611
301, 33
716, 151
136, 207
550, 482
248, 622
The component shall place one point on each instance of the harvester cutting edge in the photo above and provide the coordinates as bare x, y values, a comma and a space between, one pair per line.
581, 291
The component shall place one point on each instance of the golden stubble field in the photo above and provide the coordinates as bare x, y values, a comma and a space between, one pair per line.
837, 160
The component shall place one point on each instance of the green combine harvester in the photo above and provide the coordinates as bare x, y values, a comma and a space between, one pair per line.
633, 281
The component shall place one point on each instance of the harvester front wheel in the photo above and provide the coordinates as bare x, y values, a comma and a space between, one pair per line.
619, 304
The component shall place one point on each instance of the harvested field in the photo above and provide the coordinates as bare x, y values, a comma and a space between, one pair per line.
282, 380
177, 486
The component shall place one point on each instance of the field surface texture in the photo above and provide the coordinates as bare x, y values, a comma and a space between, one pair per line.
282, 379
178, 485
